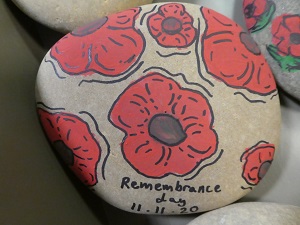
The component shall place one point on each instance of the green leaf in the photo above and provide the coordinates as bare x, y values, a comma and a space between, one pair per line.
273, 51
265, 18
287, 63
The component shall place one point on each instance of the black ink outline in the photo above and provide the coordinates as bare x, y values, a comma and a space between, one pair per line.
54, 67
94, 177
145, 14
277, 53
47, 107
268, 10
246, 188
172, 54
105, 140
249, 152
274, 96
198, 55
249, 100
204, 38
137, 61
147, 141
179, 74
113, 81
162, 14
209, 164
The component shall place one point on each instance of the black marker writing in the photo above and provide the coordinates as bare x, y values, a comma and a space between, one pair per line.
127, 183
180, 202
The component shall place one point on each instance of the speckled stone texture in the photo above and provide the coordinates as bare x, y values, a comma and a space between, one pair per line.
252, 213
275, 26
66, 15
147, 109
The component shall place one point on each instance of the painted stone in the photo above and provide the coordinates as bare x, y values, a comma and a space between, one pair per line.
275, 26
65, 16
162, 109
251, 213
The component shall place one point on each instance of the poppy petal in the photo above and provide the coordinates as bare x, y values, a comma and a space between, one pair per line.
286, 34
73, 140
177, 130
257, 161
222, 33
109, 47
172, 26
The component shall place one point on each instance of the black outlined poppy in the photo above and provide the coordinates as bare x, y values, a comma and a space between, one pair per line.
172, 26
232, 56
257, 161
74, 142
258, 13
169, 129
110, 46
286, 42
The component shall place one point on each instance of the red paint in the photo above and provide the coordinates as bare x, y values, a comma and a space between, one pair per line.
110, 46
253, 10
254, 160
154, 96
231, 56
172, 26
286, 34
72, 132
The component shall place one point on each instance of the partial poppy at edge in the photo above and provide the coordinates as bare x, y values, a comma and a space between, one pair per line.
110, 46
257, 161
258, 13
74, 142
286, 34
232, 56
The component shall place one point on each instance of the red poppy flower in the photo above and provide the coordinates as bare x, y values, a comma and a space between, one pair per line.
73, 140
257, 160
258, 13
109, 46
232, 56
168, 128
286, 34
172, 26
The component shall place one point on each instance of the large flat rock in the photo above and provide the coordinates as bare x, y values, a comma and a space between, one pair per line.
162, 109
66, 15
251, 213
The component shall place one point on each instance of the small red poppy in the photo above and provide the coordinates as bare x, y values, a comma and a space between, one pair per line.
169, 129
257, 160
258, 13
286, 34
232, 56
172, 26
110, 46
74, 142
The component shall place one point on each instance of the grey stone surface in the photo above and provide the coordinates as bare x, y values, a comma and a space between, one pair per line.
66, 15
252, 213
277, 45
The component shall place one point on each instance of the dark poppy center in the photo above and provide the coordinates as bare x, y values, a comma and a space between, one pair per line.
249, 43
171, 25
65, 152
89, 28
249, 10
264, 169
295, 38
166, 129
